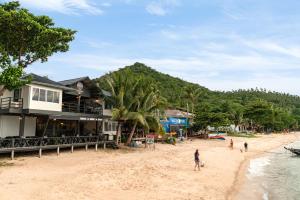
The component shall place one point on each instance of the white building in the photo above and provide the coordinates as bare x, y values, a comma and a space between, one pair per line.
45, 108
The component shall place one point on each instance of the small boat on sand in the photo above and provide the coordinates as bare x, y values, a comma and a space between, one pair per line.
218, 137
295, 151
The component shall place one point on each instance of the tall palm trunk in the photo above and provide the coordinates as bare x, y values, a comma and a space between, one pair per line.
131, 133
118, 133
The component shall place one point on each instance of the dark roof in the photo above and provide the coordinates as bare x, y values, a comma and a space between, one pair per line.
74, 80
42, 80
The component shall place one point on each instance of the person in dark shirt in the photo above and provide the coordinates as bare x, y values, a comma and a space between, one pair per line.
246, 146
197, 160
231, 144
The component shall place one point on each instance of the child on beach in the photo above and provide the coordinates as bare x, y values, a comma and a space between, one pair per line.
231, 144
197, 160
246, 146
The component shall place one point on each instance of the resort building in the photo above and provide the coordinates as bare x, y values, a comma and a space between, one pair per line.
45, 108
176, 120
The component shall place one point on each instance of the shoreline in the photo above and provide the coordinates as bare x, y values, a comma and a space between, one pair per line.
240, 175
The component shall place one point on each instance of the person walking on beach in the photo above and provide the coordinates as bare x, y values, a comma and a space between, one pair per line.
246, 146
197, 160
231, 144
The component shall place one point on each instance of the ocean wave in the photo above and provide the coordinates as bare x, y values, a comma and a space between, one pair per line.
256, 167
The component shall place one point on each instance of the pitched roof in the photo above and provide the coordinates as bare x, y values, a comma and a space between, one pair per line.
177, 113
42, 80
74, 80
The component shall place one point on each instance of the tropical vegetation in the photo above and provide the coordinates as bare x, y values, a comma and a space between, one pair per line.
257, 110
26, 38
136, 101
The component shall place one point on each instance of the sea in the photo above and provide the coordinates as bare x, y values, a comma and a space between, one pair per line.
274, 176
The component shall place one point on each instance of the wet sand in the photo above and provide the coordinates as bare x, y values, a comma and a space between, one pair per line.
164, 173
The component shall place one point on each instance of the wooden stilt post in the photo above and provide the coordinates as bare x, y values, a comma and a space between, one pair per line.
13, 151
57, 151
22, 126
86, 147
104, 145
72, 149
40, 152
45, 129
96, 147
12, 154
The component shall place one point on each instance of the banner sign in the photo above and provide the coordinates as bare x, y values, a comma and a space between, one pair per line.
177, 121
172, 121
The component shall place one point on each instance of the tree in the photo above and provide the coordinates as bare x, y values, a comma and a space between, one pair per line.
236, 114
210, 115
260, 114
192, 94
148, 101
202, 117
122, 97
24, 39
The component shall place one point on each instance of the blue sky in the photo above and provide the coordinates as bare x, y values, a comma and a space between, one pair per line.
220, 44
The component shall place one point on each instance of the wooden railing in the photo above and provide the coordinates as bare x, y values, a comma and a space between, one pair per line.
10, 102
17, 144
32, 142
83, 108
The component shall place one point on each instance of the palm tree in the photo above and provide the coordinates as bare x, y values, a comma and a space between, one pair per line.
192, 94
148, 101
121, 86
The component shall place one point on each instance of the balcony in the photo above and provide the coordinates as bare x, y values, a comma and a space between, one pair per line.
9, 103
83, 108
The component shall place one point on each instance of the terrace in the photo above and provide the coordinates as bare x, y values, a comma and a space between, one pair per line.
11, 104
21, 144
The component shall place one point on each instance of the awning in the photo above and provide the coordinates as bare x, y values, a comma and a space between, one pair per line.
76, 118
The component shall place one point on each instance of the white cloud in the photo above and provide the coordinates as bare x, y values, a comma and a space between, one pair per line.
64, 6
273, 47
161, 7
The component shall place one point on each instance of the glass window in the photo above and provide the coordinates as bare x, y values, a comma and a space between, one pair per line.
110, 126
42, 95
17, 94
35, 94
106, 126
114, 127
56, 97
50, 96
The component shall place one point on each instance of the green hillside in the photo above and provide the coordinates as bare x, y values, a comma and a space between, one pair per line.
170, 87
259, 108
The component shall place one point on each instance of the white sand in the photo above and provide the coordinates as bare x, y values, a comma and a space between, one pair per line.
166, 173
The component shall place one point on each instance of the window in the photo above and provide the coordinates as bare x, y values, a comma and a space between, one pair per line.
42, 95
106, 126
17, 94
56, 97
50, 96
45, 95
114, 126
35, 94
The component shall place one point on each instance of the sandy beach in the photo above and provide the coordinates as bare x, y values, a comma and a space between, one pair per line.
164, 173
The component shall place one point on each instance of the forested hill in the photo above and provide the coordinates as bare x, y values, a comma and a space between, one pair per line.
173, 89
176, 90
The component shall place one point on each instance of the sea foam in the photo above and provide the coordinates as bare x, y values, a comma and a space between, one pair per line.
256, 167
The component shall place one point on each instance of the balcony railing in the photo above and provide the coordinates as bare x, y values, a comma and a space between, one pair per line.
10, 102
83, 108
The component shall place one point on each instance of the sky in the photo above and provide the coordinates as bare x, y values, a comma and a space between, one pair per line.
219, 44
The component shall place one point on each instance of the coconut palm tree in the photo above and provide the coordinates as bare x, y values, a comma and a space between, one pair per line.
192, 94
121, 87
143, 113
